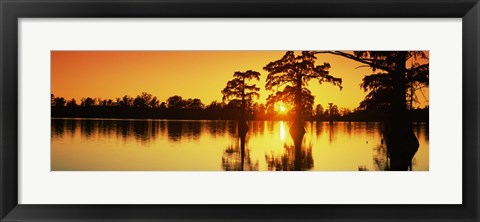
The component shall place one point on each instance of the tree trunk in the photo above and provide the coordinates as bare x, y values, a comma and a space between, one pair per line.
402, 144
242, 151
297, 164
297, 128
242, 124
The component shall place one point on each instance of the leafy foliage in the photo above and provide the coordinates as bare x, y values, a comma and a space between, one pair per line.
239, 92
288, 79
381, 86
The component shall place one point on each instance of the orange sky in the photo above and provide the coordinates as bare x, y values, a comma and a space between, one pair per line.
190, 74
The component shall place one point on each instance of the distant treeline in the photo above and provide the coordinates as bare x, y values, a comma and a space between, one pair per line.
147, 106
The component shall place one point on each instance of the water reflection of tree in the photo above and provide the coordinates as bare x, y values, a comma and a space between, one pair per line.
232, 128
270, 126
295, 158
256, 127
192, 129
87, 127
145, 131
71, 126
106, 127
331, 132
218, 127
176, 130
58, 128
348, 129
380, 158
237, 157
319, 128
123, 129
421, 130
140, 130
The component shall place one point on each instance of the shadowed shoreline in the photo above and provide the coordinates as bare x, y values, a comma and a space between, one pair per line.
212, 111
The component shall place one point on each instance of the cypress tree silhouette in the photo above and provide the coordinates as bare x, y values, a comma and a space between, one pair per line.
289, 76
237, 90
389, 91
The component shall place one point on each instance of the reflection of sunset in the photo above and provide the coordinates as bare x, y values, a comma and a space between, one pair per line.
92, 145
282, 130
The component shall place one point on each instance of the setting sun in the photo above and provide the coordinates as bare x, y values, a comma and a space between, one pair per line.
281, 107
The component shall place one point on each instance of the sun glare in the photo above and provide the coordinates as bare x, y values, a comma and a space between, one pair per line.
281, 108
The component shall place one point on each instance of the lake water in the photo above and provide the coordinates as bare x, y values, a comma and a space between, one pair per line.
209, 145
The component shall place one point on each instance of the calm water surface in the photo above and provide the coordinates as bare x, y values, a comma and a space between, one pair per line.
170, 145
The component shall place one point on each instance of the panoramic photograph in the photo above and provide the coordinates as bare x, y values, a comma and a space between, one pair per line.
239, 110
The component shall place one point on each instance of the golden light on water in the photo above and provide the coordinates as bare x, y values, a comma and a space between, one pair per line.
282, 130
169, 145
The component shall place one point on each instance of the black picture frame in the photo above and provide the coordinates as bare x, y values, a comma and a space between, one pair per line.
12, 10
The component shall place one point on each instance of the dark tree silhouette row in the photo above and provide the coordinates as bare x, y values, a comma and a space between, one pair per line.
147, 106
143, 106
